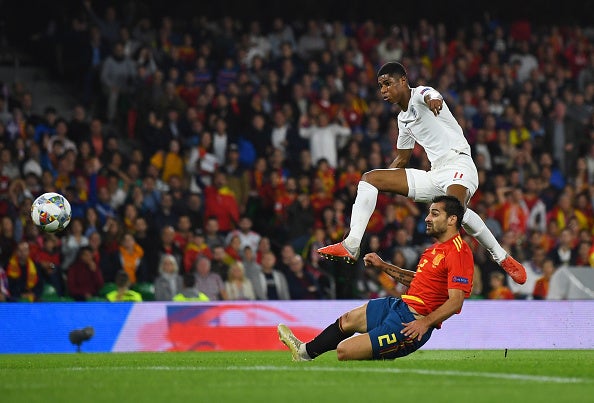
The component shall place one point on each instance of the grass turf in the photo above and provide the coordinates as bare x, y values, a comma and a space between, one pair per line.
425, 376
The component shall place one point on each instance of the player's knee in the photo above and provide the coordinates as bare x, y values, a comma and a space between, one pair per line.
371, 177
342, 352
346, 322
367, 177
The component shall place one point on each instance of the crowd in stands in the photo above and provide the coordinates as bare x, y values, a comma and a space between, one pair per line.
211, 158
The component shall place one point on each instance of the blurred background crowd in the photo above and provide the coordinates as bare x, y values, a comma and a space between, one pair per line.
208, 158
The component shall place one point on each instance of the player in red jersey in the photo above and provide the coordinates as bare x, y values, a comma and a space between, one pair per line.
394, 327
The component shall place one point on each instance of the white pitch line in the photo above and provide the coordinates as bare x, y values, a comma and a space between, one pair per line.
493, 375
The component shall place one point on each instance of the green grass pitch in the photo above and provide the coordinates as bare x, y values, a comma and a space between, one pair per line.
220, 377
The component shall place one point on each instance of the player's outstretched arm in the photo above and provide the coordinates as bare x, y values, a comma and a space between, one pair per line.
434, 101
399, 274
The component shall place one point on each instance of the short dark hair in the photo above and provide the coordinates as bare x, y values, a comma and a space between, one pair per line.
83, 249
121, 278
393, 69
452, 207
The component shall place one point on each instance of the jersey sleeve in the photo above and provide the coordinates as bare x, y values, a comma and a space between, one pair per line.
420, 96
460, 266
404, 141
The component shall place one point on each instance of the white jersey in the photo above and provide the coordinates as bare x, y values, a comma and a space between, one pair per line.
438, 135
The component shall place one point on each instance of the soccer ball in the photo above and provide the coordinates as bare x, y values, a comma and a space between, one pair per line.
51, 212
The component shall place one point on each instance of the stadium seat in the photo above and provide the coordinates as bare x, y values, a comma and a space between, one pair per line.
97, 299
49, 293
147, 290
106, 289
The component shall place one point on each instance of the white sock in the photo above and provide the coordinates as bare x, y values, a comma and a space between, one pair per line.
362, 210
476, 227
303, 352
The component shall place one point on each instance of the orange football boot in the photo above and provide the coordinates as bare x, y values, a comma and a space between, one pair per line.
337, 251
515, 269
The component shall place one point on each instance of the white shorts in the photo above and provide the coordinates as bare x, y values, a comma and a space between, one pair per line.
456, 169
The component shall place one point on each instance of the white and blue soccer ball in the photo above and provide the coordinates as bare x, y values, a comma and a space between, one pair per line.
51, 212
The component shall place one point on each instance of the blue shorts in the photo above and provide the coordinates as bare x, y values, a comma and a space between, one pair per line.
384, 323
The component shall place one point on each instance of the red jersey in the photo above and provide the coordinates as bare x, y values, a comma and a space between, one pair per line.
442, 266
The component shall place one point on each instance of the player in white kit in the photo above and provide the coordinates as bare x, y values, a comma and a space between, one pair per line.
426, 120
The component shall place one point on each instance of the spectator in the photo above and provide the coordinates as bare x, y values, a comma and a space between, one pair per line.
91, 221
4, 291
563, 254
323, 136
129, 258
73, 242
247, 236
541, 287
238, 286
287, 253
212, 236
220, 261
23, 279
109, 25
195, 210
271, 283
237, 176
221, 203
170, 282
233, 249
117, 74
123, 293
208, 282
84, 276
165, 216
48, 260
300, 221
311, 43
584, 253
221, 139
403, 244
302, 284
102, 259
169, 163
259, 135
195, 247
145, 237
251, 267
103, 205
562, 135
62, 136
183, 231
534, 270
189, 292
498, 288
8, 242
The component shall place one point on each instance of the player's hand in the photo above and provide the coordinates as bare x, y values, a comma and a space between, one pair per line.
435, 105
372, 260
415, 329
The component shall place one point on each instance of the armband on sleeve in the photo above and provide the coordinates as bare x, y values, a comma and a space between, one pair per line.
434, 95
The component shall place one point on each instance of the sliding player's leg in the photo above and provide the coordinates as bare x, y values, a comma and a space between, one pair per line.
344, 327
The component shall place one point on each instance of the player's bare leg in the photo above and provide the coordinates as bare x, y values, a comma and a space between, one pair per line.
357, 347
388, 180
